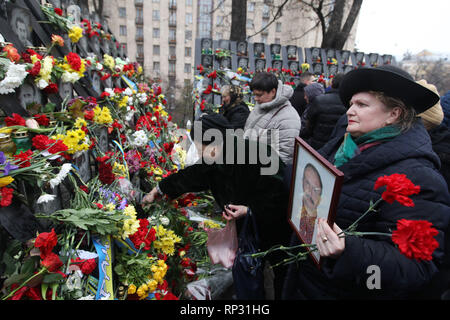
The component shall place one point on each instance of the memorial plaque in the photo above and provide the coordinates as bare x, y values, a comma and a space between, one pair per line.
206, 45
242, 48
243, 63
277, 64
82, 162
373, 59
275, 51
207, 60
294, 66
260, 64
387, 58
316, 55
20, 21
291, 52
317, 68
258, 50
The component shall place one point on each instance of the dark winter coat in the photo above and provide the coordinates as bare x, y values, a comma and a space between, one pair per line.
298, 99
321, 118
239, 184
440, 139
236, 114
409, 153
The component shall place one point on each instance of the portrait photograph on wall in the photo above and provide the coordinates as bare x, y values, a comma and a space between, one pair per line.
315, 190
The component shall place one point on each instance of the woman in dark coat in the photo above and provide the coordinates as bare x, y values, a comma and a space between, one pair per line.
241, 183
398, 143
234, 109
322, 116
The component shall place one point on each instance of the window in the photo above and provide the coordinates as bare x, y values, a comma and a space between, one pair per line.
122, 12
188, 3
219, 35
264, 38
188, 18
156, 66
251, 7
172, 34
173, 18
155, 1
156, 50
188, 35
140, 50
172, 67
187, 67
277, 41
155, 15
139, 32
278, 27
155, 32
172, 51
139, 13
123, 30
220, 20
187, 51
249, 23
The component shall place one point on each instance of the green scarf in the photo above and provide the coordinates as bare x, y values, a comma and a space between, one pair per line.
349, 147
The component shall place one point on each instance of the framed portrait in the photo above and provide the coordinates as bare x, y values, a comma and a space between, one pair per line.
315, 190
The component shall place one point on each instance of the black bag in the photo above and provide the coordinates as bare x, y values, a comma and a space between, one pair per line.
248, 277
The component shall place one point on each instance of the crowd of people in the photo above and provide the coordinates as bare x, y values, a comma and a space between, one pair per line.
369, 123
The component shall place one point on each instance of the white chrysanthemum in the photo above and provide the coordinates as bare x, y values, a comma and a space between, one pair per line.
70, 77
140, 138
42, 84
110, 91
142, 97
165, 221
61, 175
89, 297
45, 198
128, 92
14, 78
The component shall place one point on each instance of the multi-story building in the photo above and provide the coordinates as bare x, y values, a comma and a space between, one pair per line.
160, 34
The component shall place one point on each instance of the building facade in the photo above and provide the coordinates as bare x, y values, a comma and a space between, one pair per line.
161, 34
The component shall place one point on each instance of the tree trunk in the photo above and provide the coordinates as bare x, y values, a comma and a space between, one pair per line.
336, 35
238, 20
98, 6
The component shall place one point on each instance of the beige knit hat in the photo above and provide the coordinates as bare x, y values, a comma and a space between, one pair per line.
433, 116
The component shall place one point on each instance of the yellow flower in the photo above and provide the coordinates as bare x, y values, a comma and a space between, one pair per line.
4, 181
119, 169
124, 102
130, 211
211, 224
152, 284
132, 289
165, 240
109, 61
75, 34
80, 122
110, 207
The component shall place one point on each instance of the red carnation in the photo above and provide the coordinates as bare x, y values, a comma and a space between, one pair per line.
58, 11
106, 76
398, 188
42, 119
57, 147
52, 262
89, 114
34, 71
85, 189
208, 90
74, 61
41, 142
6, 196
88, 266
212, 75
415, 238
46, 241
24, 158
52, 88
15, 120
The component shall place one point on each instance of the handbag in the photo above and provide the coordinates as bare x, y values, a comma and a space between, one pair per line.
248, 276
222, 244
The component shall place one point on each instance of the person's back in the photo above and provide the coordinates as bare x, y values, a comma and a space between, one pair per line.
298, 100
322, 116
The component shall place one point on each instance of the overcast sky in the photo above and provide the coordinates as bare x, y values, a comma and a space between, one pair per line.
397, 26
